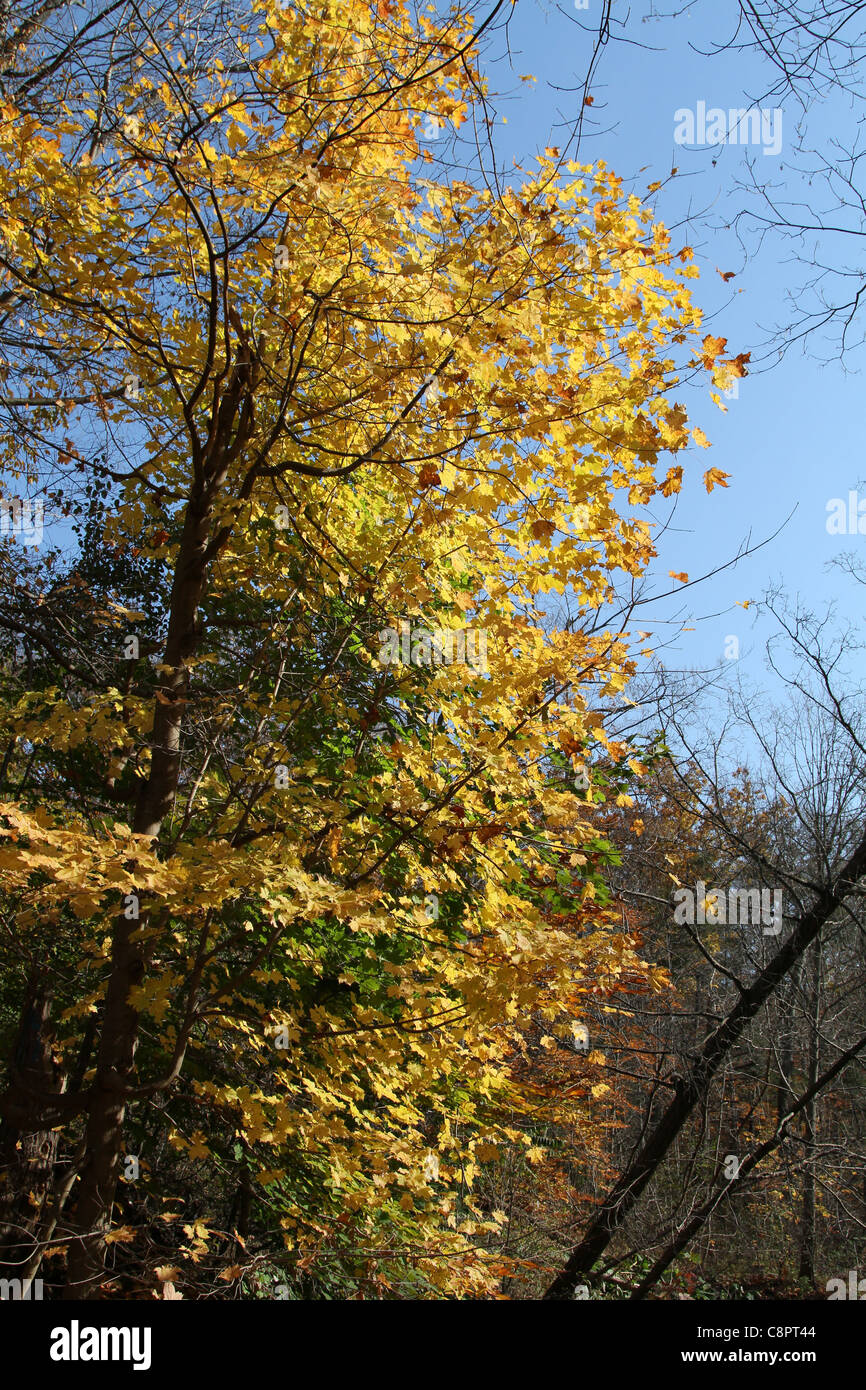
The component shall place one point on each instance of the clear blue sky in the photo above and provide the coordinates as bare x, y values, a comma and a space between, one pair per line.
793, 438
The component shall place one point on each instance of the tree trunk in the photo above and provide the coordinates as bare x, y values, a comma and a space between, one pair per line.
807, 1218
28, 1142
787, 995
119, 1039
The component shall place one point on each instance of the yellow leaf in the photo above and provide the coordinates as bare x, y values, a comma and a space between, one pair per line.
673, 481
122, 1235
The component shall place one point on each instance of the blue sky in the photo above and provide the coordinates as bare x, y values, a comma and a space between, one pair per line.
793, 438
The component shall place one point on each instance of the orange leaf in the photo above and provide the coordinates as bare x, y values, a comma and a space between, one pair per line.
713, 477
737, 365
713, 348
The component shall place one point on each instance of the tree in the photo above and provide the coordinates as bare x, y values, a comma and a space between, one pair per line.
333, 419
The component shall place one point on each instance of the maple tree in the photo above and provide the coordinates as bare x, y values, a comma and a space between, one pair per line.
296, 383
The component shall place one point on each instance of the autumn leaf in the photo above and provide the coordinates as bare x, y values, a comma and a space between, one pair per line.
197, 1148
122, 1235
712, 348
715, 477
673, 481
483, 833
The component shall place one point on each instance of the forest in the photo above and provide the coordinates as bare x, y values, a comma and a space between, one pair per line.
394, 906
